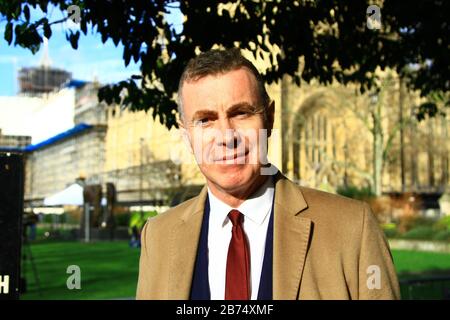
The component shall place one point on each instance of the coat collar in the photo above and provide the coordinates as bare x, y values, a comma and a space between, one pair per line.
291, 235
291, 238
183, 249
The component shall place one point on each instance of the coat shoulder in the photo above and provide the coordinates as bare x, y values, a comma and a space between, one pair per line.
334, 209
315, 197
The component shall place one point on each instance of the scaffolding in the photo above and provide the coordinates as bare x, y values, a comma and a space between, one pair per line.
42, 79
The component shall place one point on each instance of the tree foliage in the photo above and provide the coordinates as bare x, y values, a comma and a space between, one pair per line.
323, 40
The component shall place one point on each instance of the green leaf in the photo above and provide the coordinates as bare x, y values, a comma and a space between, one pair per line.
26, 12
9, 32
126, 56
73, 38
47, 30
83, 26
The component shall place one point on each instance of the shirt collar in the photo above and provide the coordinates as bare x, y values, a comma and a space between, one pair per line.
256, 207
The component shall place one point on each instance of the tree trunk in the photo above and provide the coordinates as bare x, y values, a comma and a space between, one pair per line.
402, 137
377, 149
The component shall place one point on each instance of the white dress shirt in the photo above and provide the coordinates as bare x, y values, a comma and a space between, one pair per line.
256, 211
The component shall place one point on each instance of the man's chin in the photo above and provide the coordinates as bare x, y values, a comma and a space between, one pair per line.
231, 177
231, 181
235, 173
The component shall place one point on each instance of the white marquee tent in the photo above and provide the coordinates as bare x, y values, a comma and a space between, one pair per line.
72, 195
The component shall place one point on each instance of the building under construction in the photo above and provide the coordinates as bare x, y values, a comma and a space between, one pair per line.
44, 78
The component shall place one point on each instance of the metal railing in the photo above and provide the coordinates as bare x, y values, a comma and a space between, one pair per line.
436, 287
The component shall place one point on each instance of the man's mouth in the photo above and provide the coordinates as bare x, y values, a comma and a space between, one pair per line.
232, 156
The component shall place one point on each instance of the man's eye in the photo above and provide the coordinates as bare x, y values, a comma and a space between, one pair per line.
242, 113
201, 122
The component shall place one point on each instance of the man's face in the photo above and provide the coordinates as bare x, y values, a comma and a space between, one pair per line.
224, 121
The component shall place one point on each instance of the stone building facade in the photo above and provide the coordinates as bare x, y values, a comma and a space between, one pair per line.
54, 164
328, 136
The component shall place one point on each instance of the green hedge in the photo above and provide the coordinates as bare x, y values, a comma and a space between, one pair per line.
420, 233
443, 235
421, 229
362, 193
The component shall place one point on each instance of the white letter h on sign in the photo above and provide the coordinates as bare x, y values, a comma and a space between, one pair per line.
4, 284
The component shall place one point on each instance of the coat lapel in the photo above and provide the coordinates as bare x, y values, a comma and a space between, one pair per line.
183, 249
291, 238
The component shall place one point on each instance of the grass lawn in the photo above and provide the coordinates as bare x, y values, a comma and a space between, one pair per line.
422, 265
419, 263
109, 269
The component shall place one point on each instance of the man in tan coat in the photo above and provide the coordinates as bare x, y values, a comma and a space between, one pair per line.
252, 233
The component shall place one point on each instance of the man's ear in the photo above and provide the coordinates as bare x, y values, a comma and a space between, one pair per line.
270, 117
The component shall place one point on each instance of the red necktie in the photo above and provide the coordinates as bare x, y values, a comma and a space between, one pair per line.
238, 261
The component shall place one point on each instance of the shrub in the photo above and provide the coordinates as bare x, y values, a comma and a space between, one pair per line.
443, 224
390, 233
390, 230
443, 235
419, 233
122, 219
410, 222
354, 192
139, 220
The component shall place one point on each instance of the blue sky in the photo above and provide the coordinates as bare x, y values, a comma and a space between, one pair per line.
91, 59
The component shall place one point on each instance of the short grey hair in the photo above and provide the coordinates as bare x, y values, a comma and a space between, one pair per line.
218, 61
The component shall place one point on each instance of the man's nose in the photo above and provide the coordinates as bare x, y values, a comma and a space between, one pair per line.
229, 136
